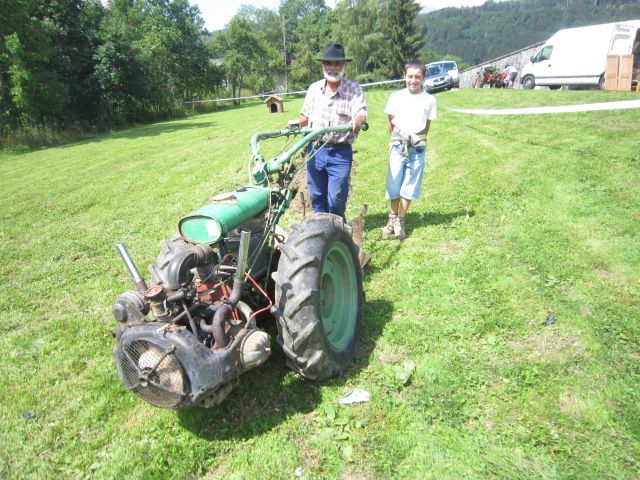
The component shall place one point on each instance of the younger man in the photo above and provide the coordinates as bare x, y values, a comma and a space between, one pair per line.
410, 112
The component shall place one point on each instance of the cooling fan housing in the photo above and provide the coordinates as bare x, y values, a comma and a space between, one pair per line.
169, 368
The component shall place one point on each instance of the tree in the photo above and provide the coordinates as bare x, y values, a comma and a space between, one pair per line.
267, 27
243, 52
175, 57
359, 25
119, 72
307, 26
403, 34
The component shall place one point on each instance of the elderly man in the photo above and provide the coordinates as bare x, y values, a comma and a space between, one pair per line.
332, 101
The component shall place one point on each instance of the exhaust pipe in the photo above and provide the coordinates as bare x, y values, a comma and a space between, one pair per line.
243, 258
138, 281
224, 311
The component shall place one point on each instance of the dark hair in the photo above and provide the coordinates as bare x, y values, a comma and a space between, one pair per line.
415, 64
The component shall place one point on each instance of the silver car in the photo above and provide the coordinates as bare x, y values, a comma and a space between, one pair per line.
451, 68
437, 79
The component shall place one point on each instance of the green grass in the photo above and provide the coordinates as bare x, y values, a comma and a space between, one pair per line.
521, 216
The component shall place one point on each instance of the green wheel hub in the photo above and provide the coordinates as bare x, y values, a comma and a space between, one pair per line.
338, 297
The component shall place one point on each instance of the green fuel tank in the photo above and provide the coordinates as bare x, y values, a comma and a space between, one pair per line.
225, 212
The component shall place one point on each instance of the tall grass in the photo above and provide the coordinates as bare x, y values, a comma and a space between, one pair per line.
522, 217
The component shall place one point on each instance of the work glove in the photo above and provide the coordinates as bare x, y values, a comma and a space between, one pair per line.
416, 141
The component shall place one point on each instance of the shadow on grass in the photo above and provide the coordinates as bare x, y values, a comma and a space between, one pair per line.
413, 221
268, 395
416, 219
142, 131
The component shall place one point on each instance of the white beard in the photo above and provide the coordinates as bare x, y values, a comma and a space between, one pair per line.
332, 78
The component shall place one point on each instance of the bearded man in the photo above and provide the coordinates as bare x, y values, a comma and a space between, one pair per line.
332, 101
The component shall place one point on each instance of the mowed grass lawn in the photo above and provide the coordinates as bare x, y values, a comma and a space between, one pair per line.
522, 217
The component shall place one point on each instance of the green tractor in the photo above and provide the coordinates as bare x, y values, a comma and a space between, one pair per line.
185, 340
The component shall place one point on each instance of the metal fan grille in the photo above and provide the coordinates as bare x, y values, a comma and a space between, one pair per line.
152, 373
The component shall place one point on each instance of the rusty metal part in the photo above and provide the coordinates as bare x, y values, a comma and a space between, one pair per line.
303, 204
357, 234
156, 296
217, 326
192, 323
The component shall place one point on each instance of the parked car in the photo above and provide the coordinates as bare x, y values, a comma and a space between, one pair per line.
451, 68
437, 79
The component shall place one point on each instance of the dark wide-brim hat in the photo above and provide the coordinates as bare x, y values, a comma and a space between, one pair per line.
333, 52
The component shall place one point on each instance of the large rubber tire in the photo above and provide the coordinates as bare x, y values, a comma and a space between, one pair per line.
319, 297
528, 82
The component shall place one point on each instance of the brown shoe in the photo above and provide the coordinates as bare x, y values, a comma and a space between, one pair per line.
388, 229
398, 228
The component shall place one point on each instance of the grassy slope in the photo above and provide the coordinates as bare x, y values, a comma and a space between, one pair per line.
521, 216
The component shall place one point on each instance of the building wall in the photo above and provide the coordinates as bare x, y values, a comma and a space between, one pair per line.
518, 59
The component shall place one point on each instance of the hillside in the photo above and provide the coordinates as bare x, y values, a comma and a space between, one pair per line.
478, 33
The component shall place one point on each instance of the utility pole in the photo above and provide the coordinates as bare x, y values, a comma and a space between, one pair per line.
284, 51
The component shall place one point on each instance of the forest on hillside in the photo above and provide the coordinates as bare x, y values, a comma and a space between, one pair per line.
476, 34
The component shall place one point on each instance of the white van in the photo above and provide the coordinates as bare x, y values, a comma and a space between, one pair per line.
578, 56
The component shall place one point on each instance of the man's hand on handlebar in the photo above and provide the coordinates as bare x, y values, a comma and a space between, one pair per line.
358, 122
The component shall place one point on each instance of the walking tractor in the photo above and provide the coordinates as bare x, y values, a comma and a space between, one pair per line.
185, 339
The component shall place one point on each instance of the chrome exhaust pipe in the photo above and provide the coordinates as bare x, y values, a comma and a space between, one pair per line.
138, 281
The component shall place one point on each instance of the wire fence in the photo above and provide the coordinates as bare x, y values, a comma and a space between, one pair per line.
298, 92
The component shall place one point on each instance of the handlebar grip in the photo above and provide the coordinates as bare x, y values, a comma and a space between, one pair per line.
364, 126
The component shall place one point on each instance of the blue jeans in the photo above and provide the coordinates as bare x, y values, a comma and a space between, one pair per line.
328, 177
404, 177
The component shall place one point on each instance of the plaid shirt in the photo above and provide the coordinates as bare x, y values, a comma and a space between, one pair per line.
338, 109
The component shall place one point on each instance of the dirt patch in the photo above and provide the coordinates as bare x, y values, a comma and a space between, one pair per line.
393, 356
548, 342
568, 402
311, 459
451, 249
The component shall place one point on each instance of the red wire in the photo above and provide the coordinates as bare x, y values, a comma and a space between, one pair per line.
263, 293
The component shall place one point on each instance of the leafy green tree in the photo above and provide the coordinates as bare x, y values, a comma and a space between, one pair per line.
359, 25
428, 56
175, 56
119, 72
308, 27
15, 15
305, 68
243, 52
267, 27
402, 33
33, 78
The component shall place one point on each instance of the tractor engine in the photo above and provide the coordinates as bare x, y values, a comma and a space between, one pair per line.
201, 335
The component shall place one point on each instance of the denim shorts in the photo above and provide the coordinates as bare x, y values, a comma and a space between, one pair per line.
404, 177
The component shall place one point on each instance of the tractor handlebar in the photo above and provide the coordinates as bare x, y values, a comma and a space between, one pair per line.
261, 168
